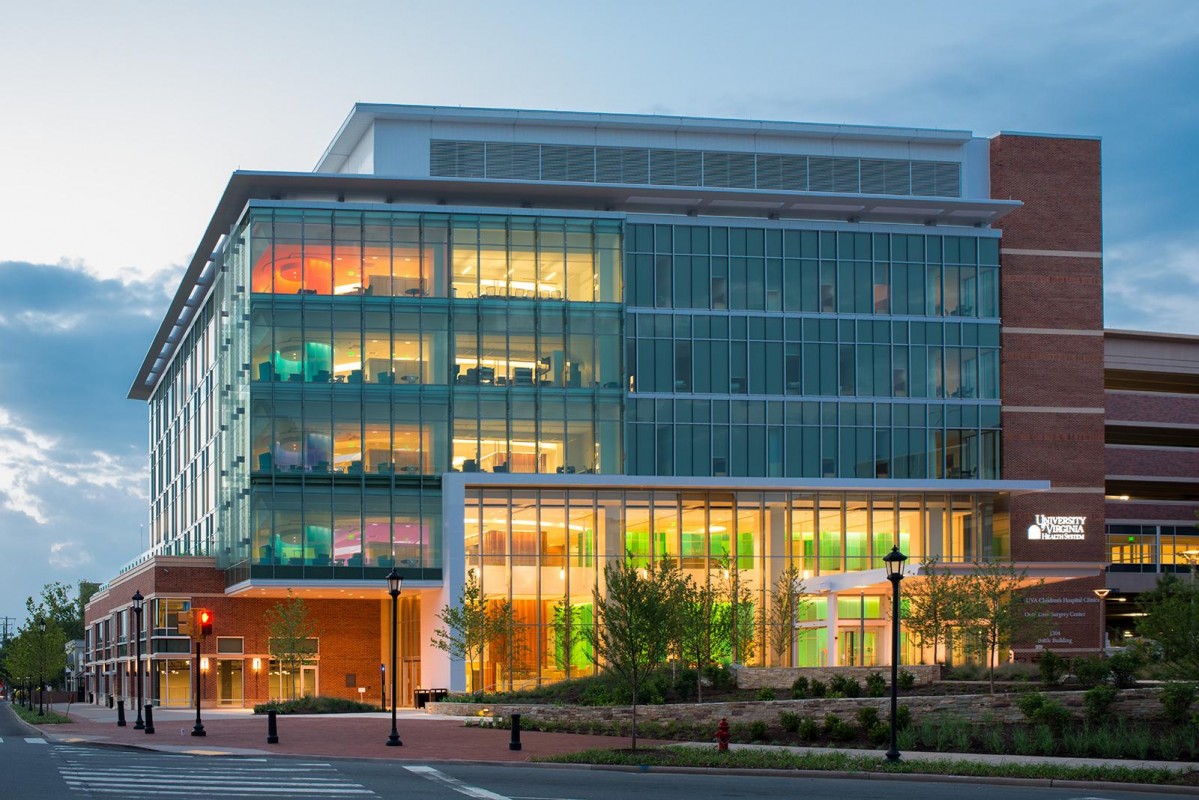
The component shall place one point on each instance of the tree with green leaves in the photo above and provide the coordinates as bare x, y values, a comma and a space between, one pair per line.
37, 654
785, 606
735, 616
934, 598
473, 623
292, 636
700, 637
993, 608
1172, 621
570, 634
631, 614
59, 603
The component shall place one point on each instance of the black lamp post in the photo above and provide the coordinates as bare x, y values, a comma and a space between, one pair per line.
41, 662
138, 605
394, 582
894, 561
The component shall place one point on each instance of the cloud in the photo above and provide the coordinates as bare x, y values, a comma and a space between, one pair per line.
1153, 284
68, 555
30, 461
73, 474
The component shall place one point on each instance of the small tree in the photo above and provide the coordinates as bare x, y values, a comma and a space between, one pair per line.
701, 638
632, 615
570, 634
1172, 621
993, 608
934, 600
291, 635
735, 615
786, 604
473, 623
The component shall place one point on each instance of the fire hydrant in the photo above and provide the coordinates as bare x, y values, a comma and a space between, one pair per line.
722, 736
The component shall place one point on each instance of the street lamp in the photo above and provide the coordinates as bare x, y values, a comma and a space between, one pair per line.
894, 563
41, 662
1102, 595
394, 581
138, 605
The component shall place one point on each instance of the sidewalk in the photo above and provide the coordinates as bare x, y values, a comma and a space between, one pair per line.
426, 737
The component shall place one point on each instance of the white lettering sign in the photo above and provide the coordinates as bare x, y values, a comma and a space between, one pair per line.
1056, 528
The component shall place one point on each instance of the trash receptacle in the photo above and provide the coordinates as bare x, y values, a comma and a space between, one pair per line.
437, 695
420, 697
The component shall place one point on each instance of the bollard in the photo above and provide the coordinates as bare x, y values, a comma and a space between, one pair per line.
272, 728
120, 713
149, 718
514, 744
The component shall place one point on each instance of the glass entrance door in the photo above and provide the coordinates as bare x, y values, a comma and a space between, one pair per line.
229, 682
289, 685
857, 649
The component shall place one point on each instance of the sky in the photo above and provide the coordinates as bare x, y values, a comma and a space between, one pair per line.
120, 124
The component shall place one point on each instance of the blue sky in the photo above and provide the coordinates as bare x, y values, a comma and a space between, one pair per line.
120, 124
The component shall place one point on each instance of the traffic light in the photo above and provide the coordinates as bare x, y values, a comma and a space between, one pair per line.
204, 621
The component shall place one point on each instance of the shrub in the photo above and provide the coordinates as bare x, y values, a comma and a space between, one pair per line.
766, 693
903, 718
1098, 701
800, 688
879, 733
1123, 667
1091, 671
1053, 715
1177, 699
837, 729
907, 681
867, 717
876, 685
315, 705
789, 721
1029, 704
720, 676
808, 730
1051, 666
816, 689
757, 729
845, 686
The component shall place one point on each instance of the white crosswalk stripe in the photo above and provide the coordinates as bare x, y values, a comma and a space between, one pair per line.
139, 775
34, 740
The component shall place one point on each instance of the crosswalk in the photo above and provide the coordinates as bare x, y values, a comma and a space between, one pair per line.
26, 739
109, 773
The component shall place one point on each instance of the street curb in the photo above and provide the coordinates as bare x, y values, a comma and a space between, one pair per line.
909, 777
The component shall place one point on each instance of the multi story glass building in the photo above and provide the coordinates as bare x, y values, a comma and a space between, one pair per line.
522, 344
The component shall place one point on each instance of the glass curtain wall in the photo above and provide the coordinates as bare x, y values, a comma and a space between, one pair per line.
545, 552
859, 355
387, 349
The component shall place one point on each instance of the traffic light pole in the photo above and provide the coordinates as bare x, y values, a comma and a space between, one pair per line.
198, 730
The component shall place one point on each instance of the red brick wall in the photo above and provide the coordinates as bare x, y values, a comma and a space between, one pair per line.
1058, 181
1153, 463
1183, 513
1170, 409
349, 630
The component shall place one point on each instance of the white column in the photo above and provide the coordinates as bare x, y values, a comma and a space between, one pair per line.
831, 647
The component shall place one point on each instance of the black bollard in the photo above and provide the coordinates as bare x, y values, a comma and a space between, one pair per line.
514, 744
272, 728
120, 713
149, 718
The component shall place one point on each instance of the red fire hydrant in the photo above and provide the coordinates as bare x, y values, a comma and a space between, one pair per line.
722, 736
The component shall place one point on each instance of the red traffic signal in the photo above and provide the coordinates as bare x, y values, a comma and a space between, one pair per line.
204, 621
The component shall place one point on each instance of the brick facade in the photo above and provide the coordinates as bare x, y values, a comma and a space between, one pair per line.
1052, 384
349, 630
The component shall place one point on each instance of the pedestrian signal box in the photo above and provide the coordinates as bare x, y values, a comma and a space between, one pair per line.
203, 622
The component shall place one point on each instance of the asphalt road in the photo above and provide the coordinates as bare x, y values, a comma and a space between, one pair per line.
31, 767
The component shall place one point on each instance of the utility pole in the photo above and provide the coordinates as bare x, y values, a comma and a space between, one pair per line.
6, 621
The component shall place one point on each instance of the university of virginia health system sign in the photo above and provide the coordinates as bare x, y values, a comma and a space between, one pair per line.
1048, 528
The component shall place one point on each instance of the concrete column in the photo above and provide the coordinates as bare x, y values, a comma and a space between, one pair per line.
833, 659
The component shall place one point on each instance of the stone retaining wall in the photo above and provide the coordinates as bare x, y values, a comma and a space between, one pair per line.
783, 677
978, 708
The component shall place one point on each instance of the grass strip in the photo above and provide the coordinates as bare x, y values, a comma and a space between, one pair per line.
48, 718
844, 762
